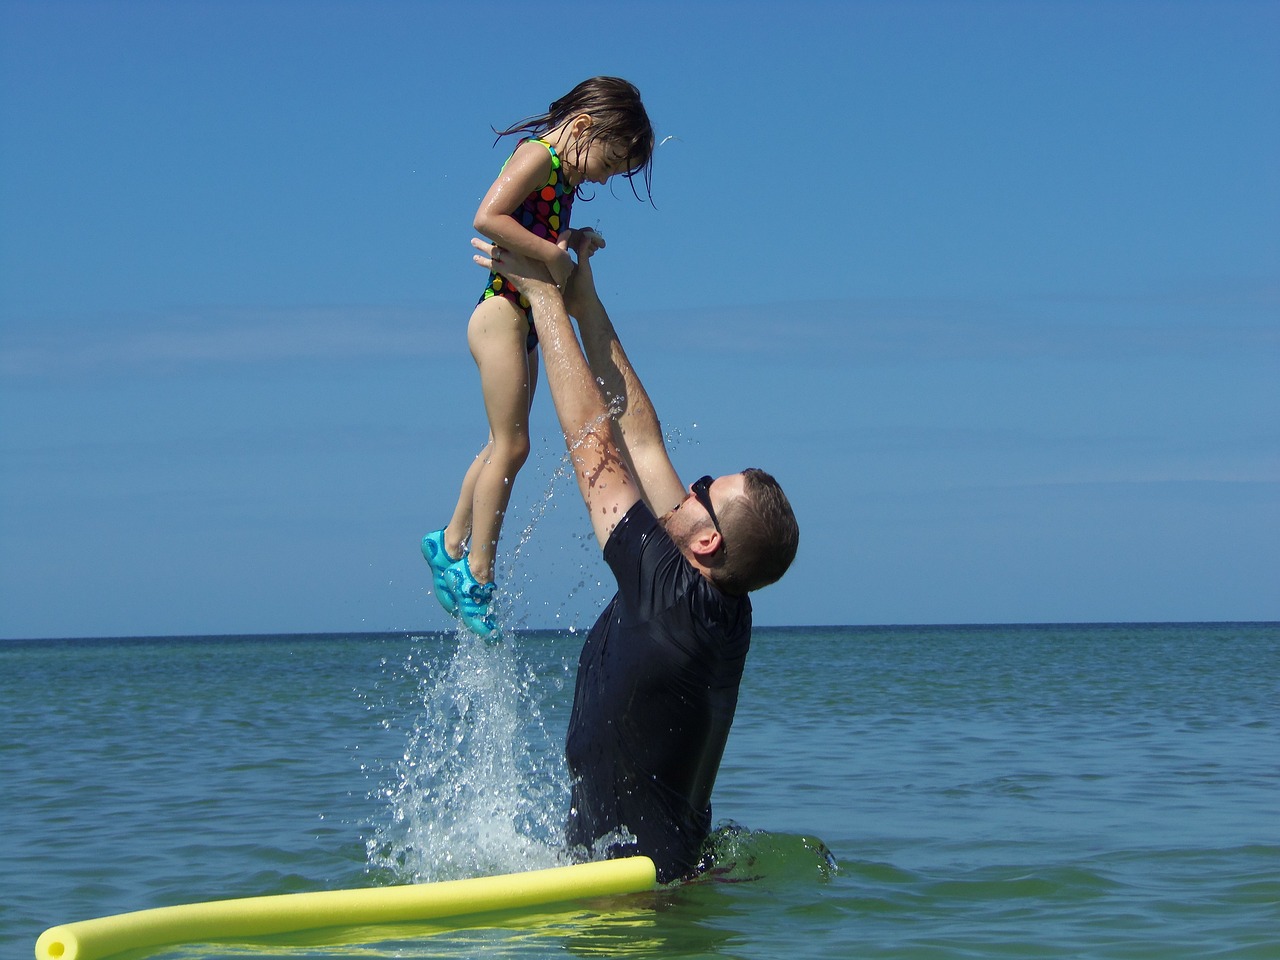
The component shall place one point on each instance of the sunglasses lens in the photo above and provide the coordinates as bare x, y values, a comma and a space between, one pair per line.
702, 490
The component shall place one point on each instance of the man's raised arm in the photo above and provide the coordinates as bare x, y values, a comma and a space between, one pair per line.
638, 430
605, 479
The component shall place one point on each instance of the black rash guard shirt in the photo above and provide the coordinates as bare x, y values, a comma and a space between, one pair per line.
656, 691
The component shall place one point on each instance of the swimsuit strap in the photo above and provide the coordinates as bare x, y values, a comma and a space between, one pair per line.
555, 156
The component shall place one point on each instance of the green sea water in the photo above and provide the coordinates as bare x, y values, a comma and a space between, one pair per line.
907, 792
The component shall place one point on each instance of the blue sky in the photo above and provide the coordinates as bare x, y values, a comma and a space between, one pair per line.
992, 288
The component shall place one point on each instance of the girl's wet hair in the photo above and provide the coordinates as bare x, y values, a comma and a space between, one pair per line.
618, 118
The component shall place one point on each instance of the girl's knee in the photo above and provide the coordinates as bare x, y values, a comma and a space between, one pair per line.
512, 453
520, 454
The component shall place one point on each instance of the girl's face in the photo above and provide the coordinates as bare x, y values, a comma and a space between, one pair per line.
598, 160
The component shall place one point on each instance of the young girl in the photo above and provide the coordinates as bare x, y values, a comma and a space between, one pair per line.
598, 130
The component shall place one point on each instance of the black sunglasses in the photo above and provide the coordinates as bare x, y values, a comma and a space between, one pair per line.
701, 490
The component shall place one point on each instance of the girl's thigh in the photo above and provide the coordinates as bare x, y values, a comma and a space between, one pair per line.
497, 334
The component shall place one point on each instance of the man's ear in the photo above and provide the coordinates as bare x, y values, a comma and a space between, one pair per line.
706, 543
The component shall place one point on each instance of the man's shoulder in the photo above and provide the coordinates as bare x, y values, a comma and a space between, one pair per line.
636, 523
656, 580
648, 566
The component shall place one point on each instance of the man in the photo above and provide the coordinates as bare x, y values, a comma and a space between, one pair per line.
659, 673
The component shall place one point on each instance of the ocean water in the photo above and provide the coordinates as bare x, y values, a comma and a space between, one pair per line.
910, 792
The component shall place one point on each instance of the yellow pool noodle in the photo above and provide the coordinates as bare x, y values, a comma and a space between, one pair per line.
290, 912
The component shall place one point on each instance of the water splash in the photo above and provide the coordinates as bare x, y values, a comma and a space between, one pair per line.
570, 562
479, 788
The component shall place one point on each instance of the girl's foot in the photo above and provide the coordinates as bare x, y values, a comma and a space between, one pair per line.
472, 600
437, 556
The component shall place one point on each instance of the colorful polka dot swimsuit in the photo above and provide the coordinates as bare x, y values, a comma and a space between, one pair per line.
544, 213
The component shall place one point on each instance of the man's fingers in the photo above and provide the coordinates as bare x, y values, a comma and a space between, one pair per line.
487, 253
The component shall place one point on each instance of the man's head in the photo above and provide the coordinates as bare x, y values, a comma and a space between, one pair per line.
742, 531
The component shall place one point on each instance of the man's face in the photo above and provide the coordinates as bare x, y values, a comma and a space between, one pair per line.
688, 518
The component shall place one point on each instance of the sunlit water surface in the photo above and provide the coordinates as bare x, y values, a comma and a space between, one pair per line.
1036, 791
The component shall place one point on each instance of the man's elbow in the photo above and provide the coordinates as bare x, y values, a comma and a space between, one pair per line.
645, 443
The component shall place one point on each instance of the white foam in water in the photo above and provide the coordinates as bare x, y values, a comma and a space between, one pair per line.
473, 793
480, 788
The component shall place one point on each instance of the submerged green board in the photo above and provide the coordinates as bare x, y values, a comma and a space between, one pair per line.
288, 913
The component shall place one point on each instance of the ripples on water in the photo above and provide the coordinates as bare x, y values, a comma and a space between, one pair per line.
907, 792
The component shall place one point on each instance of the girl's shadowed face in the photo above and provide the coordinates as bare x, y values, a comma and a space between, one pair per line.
597, 160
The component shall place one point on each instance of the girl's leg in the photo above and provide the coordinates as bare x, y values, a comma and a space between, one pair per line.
459, 527
497, 335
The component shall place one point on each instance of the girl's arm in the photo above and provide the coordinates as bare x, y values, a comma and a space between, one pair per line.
526, 171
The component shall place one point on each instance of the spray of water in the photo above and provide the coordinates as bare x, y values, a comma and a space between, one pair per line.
479, 788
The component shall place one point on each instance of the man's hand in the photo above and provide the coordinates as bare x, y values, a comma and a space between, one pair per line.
527, 274
580, 296
561, 268
585, 242
532, 278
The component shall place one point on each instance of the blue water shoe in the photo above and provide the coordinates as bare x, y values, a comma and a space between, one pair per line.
473, 600
438, 557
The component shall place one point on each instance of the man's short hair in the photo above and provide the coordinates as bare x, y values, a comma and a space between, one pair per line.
760, 535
